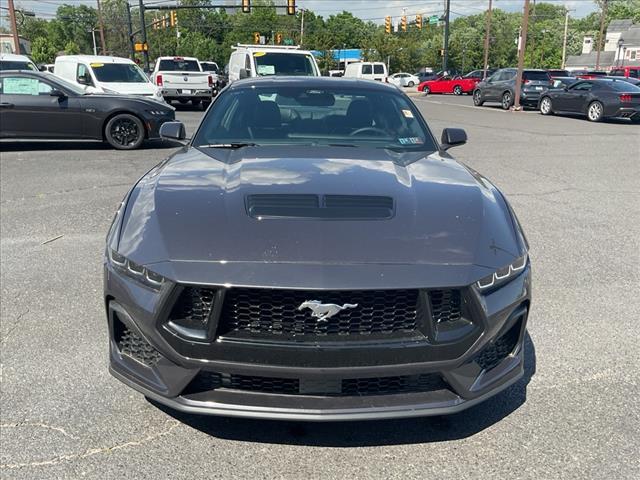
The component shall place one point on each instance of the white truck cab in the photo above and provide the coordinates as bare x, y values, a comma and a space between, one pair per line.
264, 60
105, 74
11, 61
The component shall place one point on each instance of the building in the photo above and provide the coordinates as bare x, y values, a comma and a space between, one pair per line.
621, 47
7, 44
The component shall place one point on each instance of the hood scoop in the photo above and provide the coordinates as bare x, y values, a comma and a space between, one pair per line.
320, 207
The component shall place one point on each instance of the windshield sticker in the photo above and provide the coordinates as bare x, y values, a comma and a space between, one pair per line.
259, 54
20, 86
407, 113
411, 141
97, 65
266, 70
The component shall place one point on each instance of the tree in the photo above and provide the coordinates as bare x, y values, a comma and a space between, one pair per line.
43, 51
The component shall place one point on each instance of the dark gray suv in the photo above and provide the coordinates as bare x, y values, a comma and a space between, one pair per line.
500, 87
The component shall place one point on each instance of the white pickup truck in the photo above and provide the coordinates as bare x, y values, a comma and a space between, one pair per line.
182, 79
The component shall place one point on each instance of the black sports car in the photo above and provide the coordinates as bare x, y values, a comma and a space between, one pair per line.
594, 98
41, 105
313, 253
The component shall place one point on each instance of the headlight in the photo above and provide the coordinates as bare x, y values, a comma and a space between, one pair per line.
157, 112
503, 275
136, 271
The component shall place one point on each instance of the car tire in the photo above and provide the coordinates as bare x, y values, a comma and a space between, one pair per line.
205, 104
457, 90
595, 111
410, 84
426, 90
195, 102
124, 132
477, 98
546, 107
183, 101
507, 100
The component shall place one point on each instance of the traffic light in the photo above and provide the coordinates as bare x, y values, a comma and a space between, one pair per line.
256, 37
155, 25
173, 16
291, 7
278, 39
246, 6
387, 24
165, 22
403, 23
419, 21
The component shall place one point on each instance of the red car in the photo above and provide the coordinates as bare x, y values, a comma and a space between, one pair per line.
455, 85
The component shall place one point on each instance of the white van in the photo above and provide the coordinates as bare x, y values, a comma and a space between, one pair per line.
264, 60
367, 70
104, 74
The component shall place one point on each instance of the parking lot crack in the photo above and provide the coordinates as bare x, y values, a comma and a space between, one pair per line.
38, 425
94, 451
13, 326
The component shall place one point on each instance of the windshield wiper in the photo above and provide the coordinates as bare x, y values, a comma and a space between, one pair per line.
228, 145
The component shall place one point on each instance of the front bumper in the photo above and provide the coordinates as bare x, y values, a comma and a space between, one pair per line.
153, 124
172, 365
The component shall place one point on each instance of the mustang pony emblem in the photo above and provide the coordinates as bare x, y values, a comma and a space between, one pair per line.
324, 311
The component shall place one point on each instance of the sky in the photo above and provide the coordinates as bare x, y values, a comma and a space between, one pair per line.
374, 10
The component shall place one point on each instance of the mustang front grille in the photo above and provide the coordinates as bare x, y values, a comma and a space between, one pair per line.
283, 312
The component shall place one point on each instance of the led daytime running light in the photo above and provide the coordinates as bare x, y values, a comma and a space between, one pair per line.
136, 270
503, 274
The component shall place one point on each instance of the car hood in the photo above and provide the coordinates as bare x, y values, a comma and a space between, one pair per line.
127, 88
192, 210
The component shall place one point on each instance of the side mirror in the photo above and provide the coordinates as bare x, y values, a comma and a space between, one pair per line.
58, 93
452, 137
244, 73
84, 80
173, 131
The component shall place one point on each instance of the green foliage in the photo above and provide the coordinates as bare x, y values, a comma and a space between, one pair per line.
43, 51
71, 48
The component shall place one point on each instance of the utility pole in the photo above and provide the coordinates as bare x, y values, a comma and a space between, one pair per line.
130, 31
101, 28
14, 27
602, 18
487, 36
301, 26
523, 47
93, 36
564, 38
143, 28
445, 57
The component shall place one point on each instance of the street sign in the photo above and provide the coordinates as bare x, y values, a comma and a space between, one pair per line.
433, 19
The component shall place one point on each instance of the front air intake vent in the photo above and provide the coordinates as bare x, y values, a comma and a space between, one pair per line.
328, 207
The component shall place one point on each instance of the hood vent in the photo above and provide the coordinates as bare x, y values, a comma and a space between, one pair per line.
326, 207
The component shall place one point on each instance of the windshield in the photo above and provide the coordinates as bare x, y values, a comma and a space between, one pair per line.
209, 67
315, 116
118, 73
179, 65
284, 64
17, 65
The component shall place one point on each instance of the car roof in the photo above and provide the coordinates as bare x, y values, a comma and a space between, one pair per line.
15, 57
95, 58
174, 57
314, 82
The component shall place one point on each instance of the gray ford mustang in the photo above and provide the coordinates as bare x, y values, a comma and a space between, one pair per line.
313, 253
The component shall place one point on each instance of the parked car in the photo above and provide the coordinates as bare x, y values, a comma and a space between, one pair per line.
500, 87
424, 76
447, 84
313, 253
213, 69
249, 61
10, 61
479, 74
404, 79
627, 71
105, 74
631, 80
367, 70
596, 99
42, 105
182, 79
559, 73
588, 74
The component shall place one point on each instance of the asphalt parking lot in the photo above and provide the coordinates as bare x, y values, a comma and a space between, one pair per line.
575, 187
